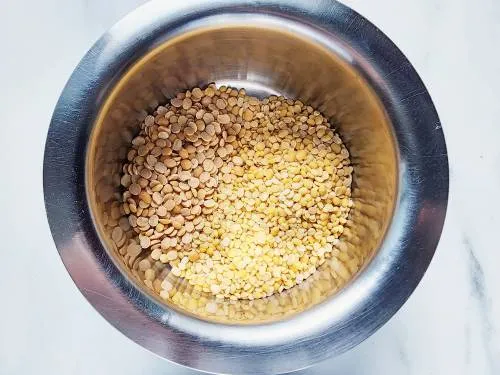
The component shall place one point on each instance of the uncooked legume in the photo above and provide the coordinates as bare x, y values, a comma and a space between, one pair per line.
242, 197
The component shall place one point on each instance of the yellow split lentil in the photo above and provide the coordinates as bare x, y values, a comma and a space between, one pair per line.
240, 196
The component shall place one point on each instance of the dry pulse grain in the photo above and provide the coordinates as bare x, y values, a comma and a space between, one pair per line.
241, 197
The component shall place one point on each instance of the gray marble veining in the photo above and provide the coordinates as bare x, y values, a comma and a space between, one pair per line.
481, 300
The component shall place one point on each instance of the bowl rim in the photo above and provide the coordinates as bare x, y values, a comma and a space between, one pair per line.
328, 328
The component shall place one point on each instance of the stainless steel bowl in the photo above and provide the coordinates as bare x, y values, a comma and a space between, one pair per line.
318, 51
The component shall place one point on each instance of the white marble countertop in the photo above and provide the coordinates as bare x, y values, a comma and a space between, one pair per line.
450, 325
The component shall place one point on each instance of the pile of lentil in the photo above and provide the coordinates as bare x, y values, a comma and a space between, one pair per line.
241, 197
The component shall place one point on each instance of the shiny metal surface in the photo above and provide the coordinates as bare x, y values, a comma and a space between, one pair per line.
256, 57
320, 52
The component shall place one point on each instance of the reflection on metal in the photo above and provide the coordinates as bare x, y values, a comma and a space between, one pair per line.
353, 74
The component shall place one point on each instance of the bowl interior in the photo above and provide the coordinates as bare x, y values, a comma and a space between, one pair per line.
264, 58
